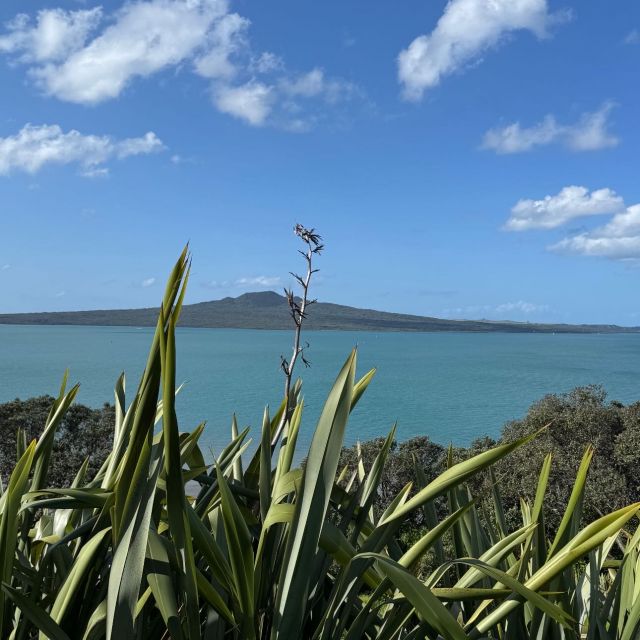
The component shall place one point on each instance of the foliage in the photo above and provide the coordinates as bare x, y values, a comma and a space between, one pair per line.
82, 433
575, 420
272, 551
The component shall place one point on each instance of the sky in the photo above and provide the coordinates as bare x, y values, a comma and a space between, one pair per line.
461, 159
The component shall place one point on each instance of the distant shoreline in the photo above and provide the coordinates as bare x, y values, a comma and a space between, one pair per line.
268, 310
567, 330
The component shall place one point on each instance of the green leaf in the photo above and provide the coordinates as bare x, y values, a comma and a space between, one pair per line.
128, 560
311, 506
264, 485
456, 475
159, 579
427, 606
10, 504
573, 512
240, 556
591, 537
36, 614
70, 591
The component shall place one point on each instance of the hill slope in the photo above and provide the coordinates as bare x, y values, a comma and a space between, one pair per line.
269, 310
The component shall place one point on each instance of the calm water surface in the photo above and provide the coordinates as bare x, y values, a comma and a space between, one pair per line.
452, 387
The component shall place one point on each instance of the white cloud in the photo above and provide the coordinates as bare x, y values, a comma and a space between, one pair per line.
521, 307
244, 282
619, 239
95, 172
315, 83
227, 38
60, 294
145, 38
51, 37
281, 100
514, 139
35, 146
591, 131
554, 211
259, 281
148, 282
502, 311
267, 62
588, 134
251, 102
5, 267
466, 30
89, 56
139, 40
307, 85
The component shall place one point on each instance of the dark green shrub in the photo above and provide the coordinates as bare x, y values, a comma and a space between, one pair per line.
83, 433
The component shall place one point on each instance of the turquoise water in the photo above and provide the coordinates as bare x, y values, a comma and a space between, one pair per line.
452, 387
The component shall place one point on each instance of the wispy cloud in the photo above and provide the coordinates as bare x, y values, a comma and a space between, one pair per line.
633, 37
53, 36
504, 311
35, 146
244, 282
521, 307
285, 101
465, 31
259, 281
90, 56
5, 267
148, 282
589, 133
570, 203
178, 159
251, 102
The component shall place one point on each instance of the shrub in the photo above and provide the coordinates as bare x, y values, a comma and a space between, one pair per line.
575, 420
83, 433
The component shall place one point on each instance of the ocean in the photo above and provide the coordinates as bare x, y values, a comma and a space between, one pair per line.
452, 387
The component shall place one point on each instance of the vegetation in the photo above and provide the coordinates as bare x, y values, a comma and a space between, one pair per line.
82, 433
574, 421
270, 550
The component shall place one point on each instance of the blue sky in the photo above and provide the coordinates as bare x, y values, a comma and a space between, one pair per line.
466, 159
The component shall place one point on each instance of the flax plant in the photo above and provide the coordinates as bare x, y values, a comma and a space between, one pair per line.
271, 550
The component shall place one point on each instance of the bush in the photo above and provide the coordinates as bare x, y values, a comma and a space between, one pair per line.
400, 467
83, 433
575, 420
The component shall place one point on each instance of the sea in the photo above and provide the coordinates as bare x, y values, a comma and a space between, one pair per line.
452, 387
